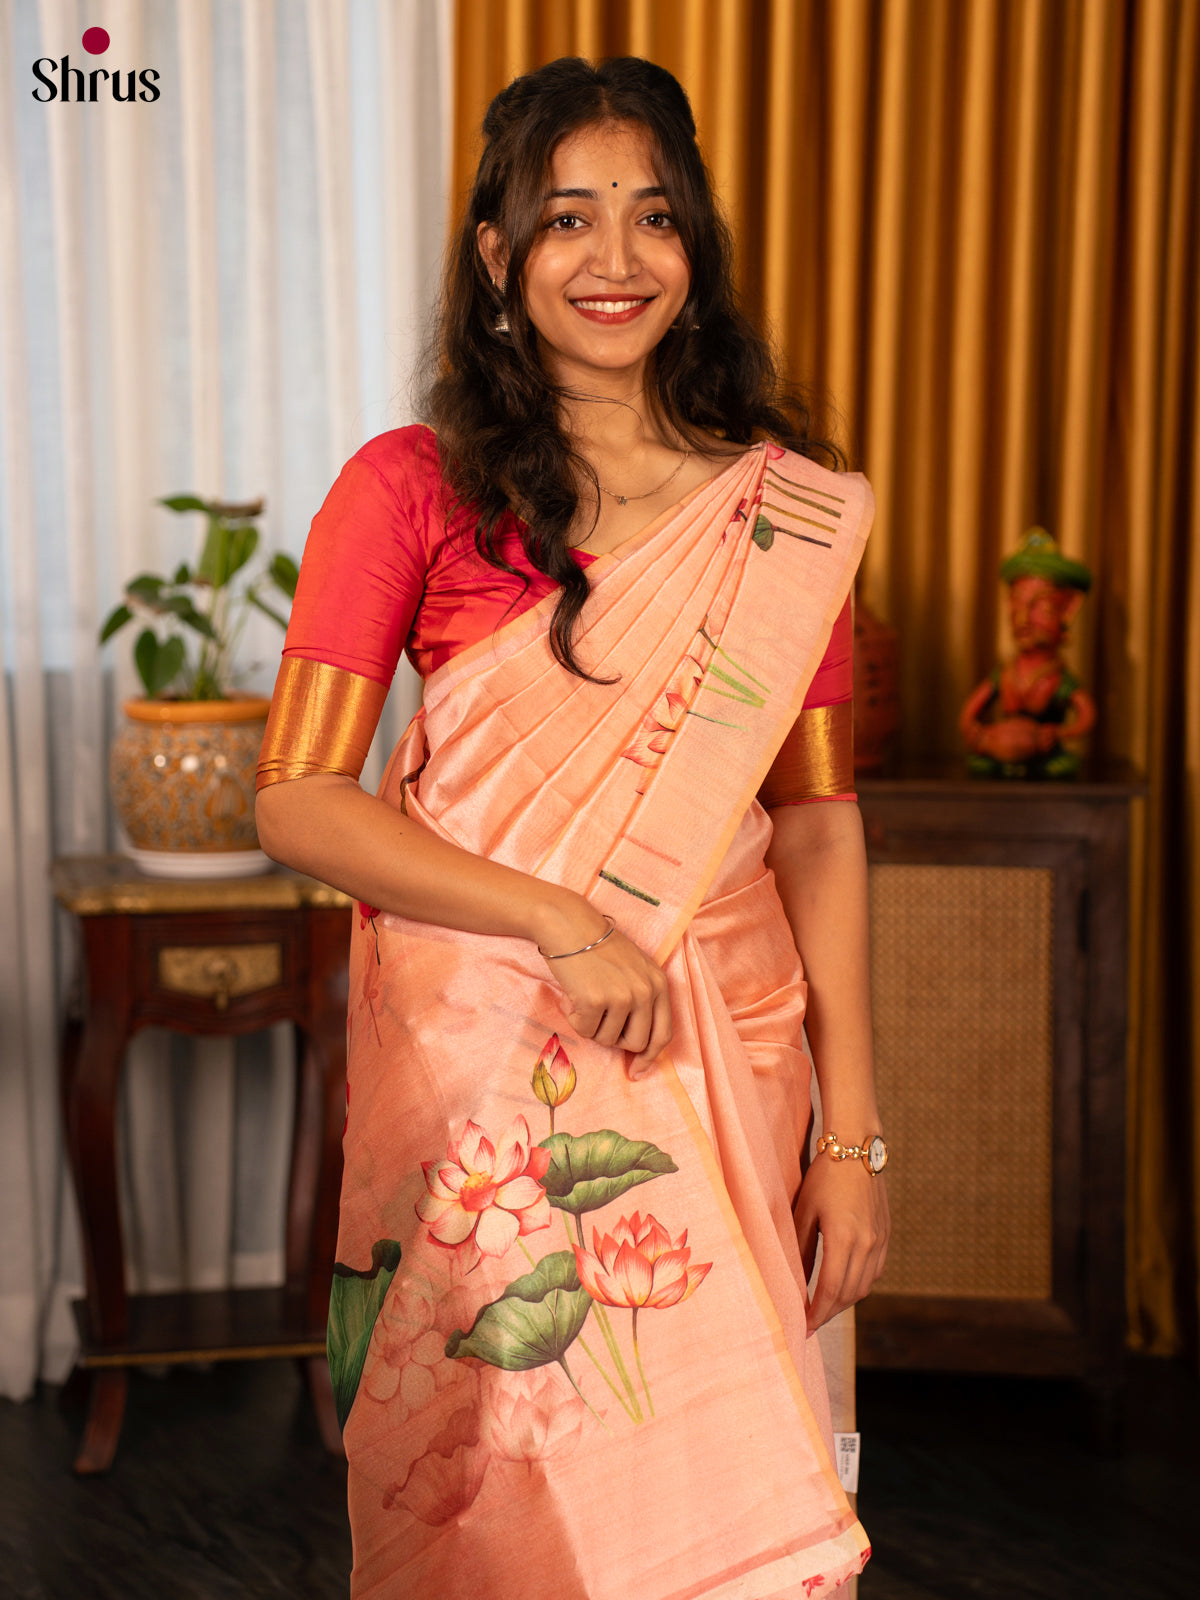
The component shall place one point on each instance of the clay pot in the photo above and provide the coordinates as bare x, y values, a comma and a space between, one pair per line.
876, 689
181, 774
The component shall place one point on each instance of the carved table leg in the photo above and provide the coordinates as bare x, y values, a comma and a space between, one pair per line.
317, 1167
106, 1412
316, 1173
91, 1069
302, 1175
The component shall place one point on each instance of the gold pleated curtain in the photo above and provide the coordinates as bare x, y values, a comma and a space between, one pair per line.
974, 224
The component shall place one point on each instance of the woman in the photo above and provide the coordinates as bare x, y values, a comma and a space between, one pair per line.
618, 568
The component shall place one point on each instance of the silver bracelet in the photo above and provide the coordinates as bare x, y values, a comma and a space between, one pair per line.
612, 928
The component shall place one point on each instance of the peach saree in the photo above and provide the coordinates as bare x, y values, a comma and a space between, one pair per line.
567, 1334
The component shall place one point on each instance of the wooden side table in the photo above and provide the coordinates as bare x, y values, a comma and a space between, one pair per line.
209, 957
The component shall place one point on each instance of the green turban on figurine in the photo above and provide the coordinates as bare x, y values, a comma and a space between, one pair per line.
1040, 557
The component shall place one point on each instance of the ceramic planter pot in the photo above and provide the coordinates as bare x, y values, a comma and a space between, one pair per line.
181, 774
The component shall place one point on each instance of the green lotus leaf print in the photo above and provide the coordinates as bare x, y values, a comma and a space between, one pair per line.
533, 1322
764, 533
355, 1301
588, 1170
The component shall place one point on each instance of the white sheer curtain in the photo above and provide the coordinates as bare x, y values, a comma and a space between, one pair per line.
220, 291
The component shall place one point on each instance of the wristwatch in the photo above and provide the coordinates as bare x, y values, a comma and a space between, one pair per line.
873, 1153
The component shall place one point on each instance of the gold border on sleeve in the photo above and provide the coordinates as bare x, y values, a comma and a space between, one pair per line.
322, 719
816, 759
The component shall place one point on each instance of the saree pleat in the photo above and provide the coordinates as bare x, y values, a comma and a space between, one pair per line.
557, 1387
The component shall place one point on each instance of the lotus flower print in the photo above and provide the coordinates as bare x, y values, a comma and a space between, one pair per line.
407, 1364
651, 740
664, 717
681, 691
639, 1264
484, 1194
531, 1418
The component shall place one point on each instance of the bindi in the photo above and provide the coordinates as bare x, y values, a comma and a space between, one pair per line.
614, 183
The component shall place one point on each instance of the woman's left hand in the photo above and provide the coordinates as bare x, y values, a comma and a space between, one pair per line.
841, 1201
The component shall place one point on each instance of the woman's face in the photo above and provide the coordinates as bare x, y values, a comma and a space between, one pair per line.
607, 274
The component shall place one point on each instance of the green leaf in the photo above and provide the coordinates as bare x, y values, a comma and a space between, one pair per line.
242, 543
355, 1302
534, 1321
588, 1170
284, 573
146, 587
183, 502
764, 533
750, 696
145, 655
183, 573
169, 664
181, 606
199, 622
268, 611
157, 663
117, 618
213, 566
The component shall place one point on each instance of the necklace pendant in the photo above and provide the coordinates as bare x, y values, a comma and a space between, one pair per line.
622, 500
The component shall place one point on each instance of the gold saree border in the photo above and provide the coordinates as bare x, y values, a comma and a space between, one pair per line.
322, 719
816, 760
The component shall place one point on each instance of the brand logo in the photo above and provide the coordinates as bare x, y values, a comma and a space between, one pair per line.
59, 80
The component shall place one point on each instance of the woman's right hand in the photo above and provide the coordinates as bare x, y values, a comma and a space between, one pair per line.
326, 826
615, 994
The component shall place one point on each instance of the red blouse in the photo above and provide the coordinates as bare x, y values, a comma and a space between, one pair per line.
386, 569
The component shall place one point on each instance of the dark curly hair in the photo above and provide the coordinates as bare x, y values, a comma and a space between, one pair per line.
491, 403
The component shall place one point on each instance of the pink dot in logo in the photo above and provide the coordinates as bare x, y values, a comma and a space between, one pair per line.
95, 41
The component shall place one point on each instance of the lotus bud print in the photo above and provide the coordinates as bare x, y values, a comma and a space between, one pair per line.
554, 1077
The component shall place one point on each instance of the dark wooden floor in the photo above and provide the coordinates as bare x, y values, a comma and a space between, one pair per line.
990, 1488
970, 1487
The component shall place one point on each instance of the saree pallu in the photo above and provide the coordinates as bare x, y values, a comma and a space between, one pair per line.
567, 1334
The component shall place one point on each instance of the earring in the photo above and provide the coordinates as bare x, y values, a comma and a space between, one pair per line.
692, 327
501, 323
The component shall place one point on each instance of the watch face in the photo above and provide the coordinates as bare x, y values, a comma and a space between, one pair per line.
877, 1154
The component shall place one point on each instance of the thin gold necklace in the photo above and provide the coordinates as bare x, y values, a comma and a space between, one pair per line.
624, 499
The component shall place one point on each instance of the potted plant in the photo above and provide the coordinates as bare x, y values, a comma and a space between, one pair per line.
181, 770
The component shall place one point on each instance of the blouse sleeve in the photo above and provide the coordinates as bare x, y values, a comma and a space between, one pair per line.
360, 583
816, 760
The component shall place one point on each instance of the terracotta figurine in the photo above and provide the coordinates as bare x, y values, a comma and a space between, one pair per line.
1017, 722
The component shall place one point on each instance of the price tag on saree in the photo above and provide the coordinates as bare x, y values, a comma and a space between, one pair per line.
845, 1447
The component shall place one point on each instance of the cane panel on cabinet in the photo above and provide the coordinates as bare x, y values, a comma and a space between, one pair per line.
999, 918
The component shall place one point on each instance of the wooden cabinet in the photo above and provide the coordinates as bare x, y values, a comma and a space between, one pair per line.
999, 917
